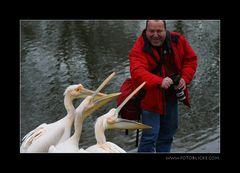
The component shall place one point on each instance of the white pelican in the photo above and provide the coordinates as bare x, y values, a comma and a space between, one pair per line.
110, 121
87, 106
41, 138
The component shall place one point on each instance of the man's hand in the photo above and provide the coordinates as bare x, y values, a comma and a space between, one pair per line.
181, 85
166, 83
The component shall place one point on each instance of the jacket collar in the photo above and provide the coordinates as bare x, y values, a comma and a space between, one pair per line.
147, 45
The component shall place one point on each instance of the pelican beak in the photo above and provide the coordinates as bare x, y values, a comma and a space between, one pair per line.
86, 92
99, 102
128, 98
120, 123
96, 94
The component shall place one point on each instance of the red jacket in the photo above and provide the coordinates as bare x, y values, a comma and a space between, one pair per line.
142, 63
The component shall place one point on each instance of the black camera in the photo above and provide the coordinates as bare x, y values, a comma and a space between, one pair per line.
179, 92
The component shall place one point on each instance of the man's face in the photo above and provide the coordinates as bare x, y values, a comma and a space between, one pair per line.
156, 32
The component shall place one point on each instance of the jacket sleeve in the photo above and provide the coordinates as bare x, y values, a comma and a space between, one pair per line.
189, 61
139, 69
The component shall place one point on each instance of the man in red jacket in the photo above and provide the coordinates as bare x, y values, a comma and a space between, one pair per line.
167, 63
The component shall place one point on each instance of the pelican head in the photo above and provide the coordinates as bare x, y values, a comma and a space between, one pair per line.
94, 103
111, 121
97, 100
78, 91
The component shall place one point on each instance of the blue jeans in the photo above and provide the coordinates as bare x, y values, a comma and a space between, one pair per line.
159, 138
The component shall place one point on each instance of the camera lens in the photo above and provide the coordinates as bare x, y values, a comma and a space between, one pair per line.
180, 95
179, 92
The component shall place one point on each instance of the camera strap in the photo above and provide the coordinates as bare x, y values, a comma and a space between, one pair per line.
162, 53
167, 49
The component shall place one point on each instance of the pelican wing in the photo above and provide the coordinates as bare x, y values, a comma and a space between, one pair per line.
34, 134
81, 150
115, 148
68, 146
40, 139
107, 147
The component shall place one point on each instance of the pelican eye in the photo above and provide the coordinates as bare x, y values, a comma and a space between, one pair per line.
78, 89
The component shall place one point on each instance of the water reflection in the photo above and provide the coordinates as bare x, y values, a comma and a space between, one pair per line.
56, 54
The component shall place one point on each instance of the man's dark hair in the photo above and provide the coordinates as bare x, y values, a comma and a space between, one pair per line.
164, 23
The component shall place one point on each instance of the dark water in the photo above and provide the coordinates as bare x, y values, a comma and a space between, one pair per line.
56, 54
